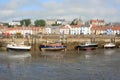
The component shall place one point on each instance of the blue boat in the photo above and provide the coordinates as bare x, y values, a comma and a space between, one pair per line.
52, 47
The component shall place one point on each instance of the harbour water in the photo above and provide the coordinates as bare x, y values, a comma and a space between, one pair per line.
100, 64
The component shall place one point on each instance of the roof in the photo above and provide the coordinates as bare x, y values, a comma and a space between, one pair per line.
105, 27
97, 20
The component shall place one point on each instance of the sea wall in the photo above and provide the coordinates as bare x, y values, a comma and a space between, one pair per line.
69, 40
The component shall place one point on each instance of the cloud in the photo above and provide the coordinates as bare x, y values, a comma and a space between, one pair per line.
70, 9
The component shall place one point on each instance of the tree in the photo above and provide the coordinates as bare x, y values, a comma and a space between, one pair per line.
56, 24
7, 25
25, 22
40, 22
77, 21
73, 22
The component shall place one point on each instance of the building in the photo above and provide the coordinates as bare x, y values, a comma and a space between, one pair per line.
14, 23
25, 30
108, 30
60, 21
65, 29
113, 30
115, 24
48, 30
19, 30
97, 22
85, 29
75, 30
52, 30
97, 30
49, 22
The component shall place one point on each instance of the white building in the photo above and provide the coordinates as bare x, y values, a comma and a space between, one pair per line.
52, 30
65, 29
60, 21
19, 30
13, 23
76, 29
48, 30
86, 29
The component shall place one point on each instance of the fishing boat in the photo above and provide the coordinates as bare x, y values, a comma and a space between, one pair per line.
52, 47
87, 46
18, 46
109, 45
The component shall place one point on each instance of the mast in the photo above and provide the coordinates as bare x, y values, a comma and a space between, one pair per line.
23, 30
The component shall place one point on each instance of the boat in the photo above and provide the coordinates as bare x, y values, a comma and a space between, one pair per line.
52, 47
18, 46
109, 45
87, 46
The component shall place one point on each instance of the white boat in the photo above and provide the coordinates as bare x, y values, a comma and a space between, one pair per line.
18, 46
109, 45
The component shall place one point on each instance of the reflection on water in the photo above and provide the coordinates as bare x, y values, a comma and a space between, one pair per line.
52, 54
100, 64
109, 51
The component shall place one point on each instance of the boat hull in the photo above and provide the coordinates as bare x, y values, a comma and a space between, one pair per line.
52, 48
87, 47
109, 45
16, 48
8, 49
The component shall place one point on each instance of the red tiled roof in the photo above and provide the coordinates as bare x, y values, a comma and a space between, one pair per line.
1, 26
114, 27
75, 26
98, 28
105, 27
96, 20
26, 28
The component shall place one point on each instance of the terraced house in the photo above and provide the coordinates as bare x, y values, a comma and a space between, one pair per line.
108, 30
76, 29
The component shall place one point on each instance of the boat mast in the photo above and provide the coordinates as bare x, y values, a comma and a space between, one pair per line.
23, 30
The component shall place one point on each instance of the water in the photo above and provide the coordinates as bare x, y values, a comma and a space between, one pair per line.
100, 64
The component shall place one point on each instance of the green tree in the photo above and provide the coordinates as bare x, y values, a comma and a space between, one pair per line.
73, 22
77, 21
40, 23
56, 24
25, 22
7, 25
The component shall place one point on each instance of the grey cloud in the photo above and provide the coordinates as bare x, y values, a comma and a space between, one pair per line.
87, 9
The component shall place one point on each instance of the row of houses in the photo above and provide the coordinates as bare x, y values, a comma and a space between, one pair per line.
67, 29
90, 29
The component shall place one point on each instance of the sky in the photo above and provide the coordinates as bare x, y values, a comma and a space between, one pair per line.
108, 10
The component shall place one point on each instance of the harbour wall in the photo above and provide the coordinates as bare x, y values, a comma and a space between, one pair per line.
69, 40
